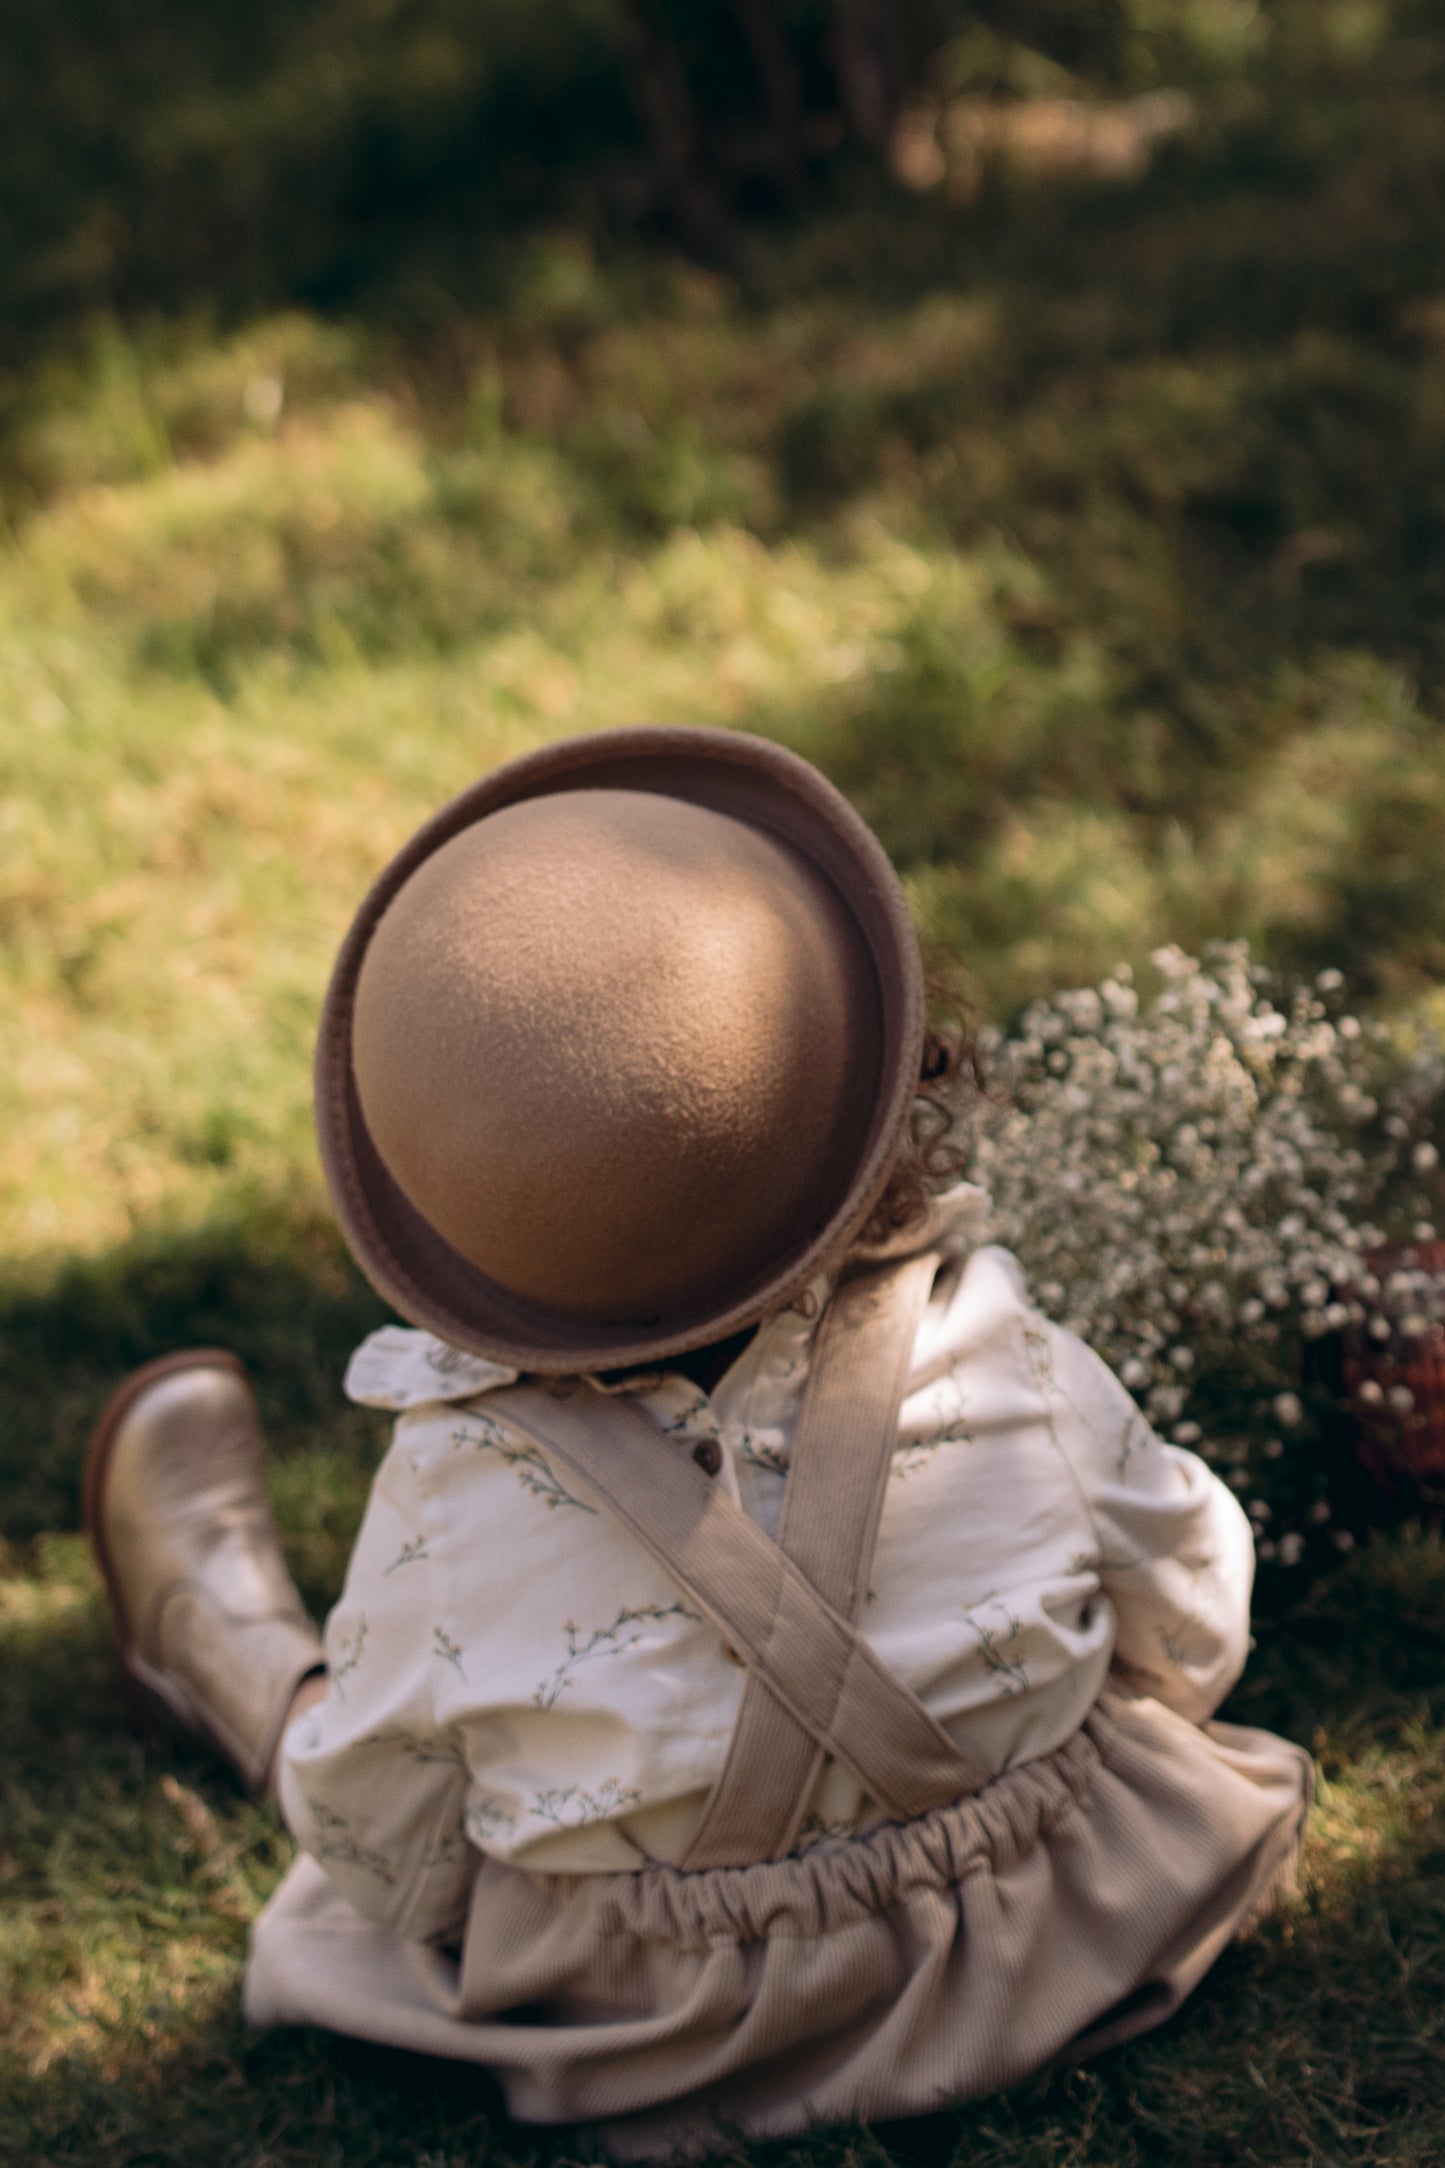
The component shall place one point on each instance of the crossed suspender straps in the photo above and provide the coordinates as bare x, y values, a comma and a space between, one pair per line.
814, 1687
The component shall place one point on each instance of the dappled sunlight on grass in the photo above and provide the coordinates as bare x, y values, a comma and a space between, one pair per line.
269, 1279
130, 1876
110, 1927
1090, 537
281, 593
1374, 1813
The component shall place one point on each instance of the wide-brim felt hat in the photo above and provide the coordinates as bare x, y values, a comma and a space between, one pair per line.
619, 1050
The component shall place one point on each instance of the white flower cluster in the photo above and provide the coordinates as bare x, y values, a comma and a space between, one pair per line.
1197, 1189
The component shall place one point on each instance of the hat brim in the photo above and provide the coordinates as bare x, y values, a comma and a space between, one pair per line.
754, 781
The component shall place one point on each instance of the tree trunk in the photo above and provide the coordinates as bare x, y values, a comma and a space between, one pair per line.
778, 79
685, 196
868, 63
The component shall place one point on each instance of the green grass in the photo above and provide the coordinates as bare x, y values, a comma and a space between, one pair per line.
129, 1881
1091, 538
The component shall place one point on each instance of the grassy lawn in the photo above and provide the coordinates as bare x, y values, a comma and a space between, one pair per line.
1093, 538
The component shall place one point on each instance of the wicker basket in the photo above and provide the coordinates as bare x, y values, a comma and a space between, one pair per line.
1395, 1442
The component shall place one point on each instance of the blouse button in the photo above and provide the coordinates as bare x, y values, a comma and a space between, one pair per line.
708, 1455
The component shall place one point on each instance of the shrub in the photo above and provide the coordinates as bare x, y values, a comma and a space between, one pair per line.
1199, 1187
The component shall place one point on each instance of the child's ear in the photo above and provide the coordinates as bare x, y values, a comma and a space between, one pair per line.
937, 1058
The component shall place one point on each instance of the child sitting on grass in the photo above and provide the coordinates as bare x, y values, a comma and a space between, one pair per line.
773, 1672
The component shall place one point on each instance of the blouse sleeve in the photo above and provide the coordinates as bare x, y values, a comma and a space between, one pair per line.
369, 1785
1176, 1554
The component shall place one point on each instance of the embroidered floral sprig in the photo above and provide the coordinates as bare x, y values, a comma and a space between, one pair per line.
911, 1458
425, 1751
447, 1850
1135, 1437
1011, 1675
451, 1362
488, 1814
336, 1844
408, 1555
484, 1435
950, 1422
626, 1630
1173, 1641
571, 1807
757, 1452
348, 1655
697, 1412
817, 1831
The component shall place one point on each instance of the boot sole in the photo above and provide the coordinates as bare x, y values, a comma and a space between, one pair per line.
159, 1711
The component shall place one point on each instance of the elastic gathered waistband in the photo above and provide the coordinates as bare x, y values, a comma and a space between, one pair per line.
841, 1880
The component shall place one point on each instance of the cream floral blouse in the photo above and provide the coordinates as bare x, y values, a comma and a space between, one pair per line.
512, 1674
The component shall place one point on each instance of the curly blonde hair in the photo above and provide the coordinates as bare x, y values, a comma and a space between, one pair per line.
936, 1146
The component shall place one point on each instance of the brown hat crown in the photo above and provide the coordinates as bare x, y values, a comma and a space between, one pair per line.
613, 1047
619, 1049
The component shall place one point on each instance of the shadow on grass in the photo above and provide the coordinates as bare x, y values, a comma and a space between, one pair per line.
272, 1283
1317, 2040
130, 1875
132, 1879
1358, 1657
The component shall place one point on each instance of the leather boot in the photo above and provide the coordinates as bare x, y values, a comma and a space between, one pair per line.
212, 1634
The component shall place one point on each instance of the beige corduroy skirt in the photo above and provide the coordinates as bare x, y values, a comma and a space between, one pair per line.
1070, 1905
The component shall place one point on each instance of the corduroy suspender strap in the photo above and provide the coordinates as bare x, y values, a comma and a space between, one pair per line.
842, 1450
831, 1692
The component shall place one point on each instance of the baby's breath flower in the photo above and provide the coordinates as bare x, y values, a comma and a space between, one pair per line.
1196, 1185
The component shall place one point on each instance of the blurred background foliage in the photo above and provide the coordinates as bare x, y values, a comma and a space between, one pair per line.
1033, 410
318, 147
1035, 413
356, 152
